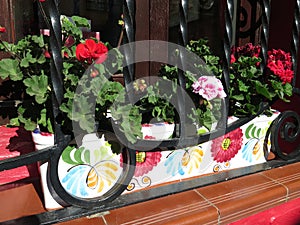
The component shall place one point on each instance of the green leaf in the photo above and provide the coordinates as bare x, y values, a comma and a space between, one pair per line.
263, 90
242, 86
81, 22
10, 68
27, 59
39, 40
41, 59
14, 122
49, 126
29, 125
288, 89
238, 97
43, 118
37, 86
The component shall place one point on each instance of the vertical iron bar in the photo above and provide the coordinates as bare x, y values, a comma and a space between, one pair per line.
183, 17
266, 12
253, 21
55, 45
56, 66
182, 40
227, 44
229, 11
295, 40
238, 26
129, 37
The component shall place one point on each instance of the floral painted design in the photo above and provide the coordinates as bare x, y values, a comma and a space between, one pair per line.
221, 166
145, 162
174, 163
226, 147
92, 172
192, 158
253, 149
145, 181
179, 162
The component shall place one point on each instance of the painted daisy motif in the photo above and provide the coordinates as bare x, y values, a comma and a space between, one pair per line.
145, 162
226, 147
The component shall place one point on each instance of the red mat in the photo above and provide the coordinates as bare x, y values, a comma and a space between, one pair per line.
15, 142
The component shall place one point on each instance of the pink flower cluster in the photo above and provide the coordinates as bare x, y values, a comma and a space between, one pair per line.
209, 87
279, 62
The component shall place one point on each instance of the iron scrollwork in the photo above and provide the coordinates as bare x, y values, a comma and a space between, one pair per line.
285, 131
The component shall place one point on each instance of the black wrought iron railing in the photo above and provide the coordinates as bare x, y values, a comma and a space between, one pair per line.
76, 207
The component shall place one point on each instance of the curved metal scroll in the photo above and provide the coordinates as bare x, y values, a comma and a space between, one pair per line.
285, 130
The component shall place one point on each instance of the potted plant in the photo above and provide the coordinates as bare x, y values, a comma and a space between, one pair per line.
29, 64
249, 85
205, 88
87, 83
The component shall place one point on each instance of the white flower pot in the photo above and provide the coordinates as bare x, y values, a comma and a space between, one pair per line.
41, 141
157, 131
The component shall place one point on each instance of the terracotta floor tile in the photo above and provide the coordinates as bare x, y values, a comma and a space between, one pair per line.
18, 202
289, 176
183, 208
244, 196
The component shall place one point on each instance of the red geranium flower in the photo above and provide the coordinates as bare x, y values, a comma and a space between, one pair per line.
279, 62
226, 147
91, 51
2, 29
47, 54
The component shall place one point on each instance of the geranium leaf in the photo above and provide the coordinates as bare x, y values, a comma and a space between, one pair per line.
10, 68
288, 89
242, 86
14, 122
37, 86
43, 117
238, 97
263, 90
39, 40
28, 59
41, 59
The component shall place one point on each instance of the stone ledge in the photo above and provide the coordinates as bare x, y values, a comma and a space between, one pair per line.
220, 203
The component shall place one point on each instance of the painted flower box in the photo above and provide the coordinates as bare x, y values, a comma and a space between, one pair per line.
239, 148
91, 170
